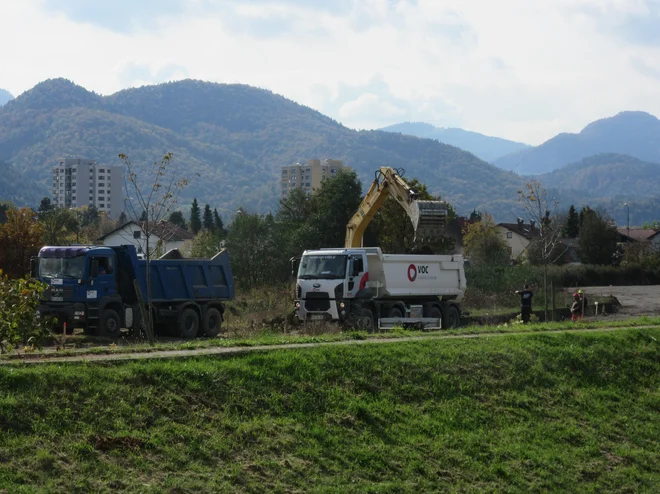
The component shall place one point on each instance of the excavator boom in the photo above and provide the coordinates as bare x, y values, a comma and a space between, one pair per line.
428, 217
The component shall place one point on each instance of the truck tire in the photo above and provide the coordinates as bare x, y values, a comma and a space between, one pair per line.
110, 324
212, 322
188, 326
451, 318
365, 320
396, 313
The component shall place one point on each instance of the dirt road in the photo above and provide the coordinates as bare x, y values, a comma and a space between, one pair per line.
634, 300
35, 359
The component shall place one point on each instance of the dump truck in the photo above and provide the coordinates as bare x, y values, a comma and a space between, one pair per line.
103, 289
365, 288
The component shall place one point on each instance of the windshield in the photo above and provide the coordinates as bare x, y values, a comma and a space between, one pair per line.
62, 267
322, 267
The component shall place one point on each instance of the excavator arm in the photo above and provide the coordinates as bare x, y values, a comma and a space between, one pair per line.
428, 217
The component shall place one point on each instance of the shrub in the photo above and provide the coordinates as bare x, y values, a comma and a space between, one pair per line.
19, 322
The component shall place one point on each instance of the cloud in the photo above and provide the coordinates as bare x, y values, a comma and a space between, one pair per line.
117, 15
133, 73
514, 68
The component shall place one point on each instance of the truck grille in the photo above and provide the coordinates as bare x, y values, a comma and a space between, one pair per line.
58, 293
317, 301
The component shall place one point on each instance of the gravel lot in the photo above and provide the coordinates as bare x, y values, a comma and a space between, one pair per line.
635, 300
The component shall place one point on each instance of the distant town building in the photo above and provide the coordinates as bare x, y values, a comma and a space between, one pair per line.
79, 182
518, 236
308, 176
164, 236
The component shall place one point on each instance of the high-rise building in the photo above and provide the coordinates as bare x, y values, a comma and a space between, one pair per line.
308, 176
79, 182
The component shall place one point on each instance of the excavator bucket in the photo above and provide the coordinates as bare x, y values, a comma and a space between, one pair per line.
431, 219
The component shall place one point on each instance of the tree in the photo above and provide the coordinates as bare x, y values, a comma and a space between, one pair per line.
156, 196
45, 205
206, 244
195, 217
598, 239
543, 211
123, 219
60, 226
256, 256
334, 205
176, 218
4, 207
483, 243
89, 216
652, 225
20, 239
218, 225
207, 222
572, 223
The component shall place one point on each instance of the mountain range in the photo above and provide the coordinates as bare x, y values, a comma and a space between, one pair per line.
230, 140
636, 134
5, 96
484, 147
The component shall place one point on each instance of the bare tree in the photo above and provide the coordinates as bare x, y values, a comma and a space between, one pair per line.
151, 199
543, 210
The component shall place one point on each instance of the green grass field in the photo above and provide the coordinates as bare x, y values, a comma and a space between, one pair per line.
533, 412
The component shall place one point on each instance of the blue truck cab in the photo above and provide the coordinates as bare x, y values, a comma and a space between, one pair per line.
94, 288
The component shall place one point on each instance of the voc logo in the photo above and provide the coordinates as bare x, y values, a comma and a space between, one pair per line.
413, 270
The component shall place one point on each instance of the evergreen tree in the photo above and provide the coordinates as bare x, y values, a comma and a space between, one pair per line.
143, 216
598, 239
572, 223
195, 217
208, 218
123, 219
176, 218
218, 224
45, 205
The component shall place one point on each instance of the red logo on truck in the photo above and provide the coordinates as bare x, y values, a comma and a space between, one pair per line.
412, 272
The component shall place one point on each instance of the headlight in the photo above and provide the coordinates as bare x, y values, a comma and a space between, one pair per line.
297, 305
342, 305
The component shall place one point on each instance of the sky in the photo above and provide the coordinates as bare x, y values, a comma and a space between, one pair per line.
519, 69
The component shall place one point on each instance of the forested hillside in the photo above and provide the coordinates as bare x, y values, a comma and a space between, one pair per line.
635, 134
235, 137
608, 175
484, 147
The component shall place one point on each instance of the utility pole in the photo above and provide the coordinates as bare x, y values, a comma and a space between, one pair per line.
628, 219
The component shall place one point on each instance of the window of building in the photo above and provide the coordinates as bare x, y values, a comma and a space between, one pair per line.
101, 170
509, 235
101, 184
137, 234
101, 205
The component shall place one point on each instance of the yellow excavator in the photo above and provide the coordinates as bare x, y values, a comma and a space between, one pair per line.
428, 217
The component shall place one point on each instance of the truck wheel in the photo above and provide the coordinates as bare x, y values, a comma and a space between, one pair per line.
451, 317
365, 320
395, 313
110, 324
188, 324
212, 322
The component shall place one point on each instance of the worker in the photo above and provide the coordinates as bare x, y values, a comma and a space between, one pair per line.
583, 302
526, 295
576, 307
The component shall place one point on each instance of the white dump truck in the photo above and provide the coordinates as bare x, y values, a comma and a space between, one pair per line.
367, 289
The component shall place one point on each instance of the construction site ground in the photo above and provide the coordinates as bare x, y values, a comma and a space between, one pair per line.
635, 301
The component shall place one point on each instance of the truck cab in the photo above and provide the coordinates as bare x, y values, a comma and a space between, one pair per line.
82, 281
329, 282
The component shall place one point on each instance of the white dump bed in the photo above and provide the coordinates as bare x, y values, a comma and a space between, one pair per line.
405, 275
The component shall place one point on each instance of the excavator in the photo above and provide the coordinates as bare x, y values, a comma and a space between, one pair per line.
428, 217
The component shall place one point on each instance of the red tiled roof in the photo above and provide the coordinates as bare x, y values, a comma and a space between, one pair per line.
639, 234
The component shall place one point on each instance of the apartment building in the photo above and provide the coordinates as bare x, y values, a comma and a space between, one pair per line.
79, 182
308, 176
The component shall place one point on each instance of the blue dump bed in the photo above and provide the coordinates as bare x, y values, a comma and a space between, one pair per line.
186, 279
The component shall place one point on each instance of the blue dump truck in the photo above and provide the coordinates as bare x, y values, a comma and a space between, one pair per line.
94, 288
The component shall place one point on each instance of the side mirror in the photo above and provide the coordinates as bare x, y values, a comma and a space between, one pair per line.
34, 265
94, 271
294, 266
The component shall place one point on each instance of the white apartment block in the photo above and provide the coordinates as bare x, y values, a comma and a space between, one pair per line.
308, 176
79, 182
